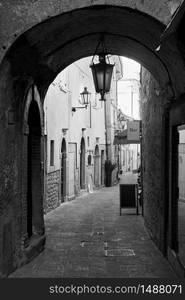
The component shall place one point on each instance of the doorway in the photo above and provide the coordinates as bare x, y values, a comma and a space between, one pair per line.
181, 196
34, 190
63, 170
102, 167
177, 171
82, 164
96, 166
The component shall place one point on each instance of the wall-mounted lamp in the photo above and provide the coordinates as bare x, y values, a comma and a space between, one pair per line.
85, 98
102, 71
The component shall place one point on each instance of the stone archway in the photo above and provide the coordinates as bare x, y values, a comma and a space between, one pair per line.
96, 167
34, 192
39, 43
63, 170
136, 34
33, 154
82, 164
32, 178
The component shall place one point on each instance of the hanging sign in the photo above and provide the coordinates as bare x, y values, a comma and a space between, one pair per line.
131, 135
133, 131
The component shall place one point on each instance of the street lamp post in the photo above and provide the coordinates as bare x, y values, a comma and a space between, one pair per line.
102, 76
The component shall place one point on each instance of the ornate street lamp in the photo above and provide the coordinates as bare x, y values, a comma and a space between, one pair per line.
85, 96
102, 71
85, 99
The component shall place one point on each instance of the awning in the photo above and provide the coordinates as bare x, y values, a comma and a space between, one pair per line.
124, 141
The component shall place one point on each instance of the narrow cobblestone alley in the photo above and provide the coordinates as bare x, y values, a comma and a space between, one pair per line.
88, 238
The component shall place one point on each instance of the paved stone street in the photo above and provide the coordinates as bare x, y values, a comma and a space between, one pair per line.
87, 237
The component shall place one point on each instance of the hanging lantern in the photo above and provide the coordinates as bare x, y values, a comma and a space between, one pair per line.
85, 96
102, 72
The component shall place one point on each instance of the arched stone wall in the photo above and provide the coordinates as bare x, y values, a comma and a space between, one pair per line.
74, 34
32, 168
44, 37
26, 14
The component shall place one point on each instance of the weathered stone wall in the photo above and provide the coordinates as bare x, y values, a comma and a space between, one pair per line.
71, 32
53, 191
25, 14
48, 48
153, 153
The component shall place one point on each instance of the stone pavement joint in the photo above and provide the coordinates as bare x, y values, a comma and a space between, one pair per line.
87, 237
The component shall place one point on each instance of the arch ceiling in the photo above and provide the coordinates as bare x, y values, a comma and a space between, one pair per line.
25, 14
50, 46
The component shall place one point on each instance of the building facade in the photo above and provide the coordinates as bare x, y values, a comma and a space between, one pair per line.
129, 154
128, 103
78, 140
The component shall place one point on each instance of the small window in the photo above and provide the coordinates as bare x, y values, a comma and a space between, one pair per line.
52, 153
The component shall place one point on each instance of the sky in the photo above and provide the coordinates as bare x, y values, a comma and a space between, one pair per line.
131, 68
128, 88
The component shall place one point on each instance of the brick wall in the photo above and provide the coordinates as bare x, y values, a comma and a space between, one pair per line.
152, 113
52, 191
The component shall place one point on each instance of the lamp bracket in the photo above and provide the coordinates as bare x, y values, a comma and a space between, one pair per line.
74, 108
101, 43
